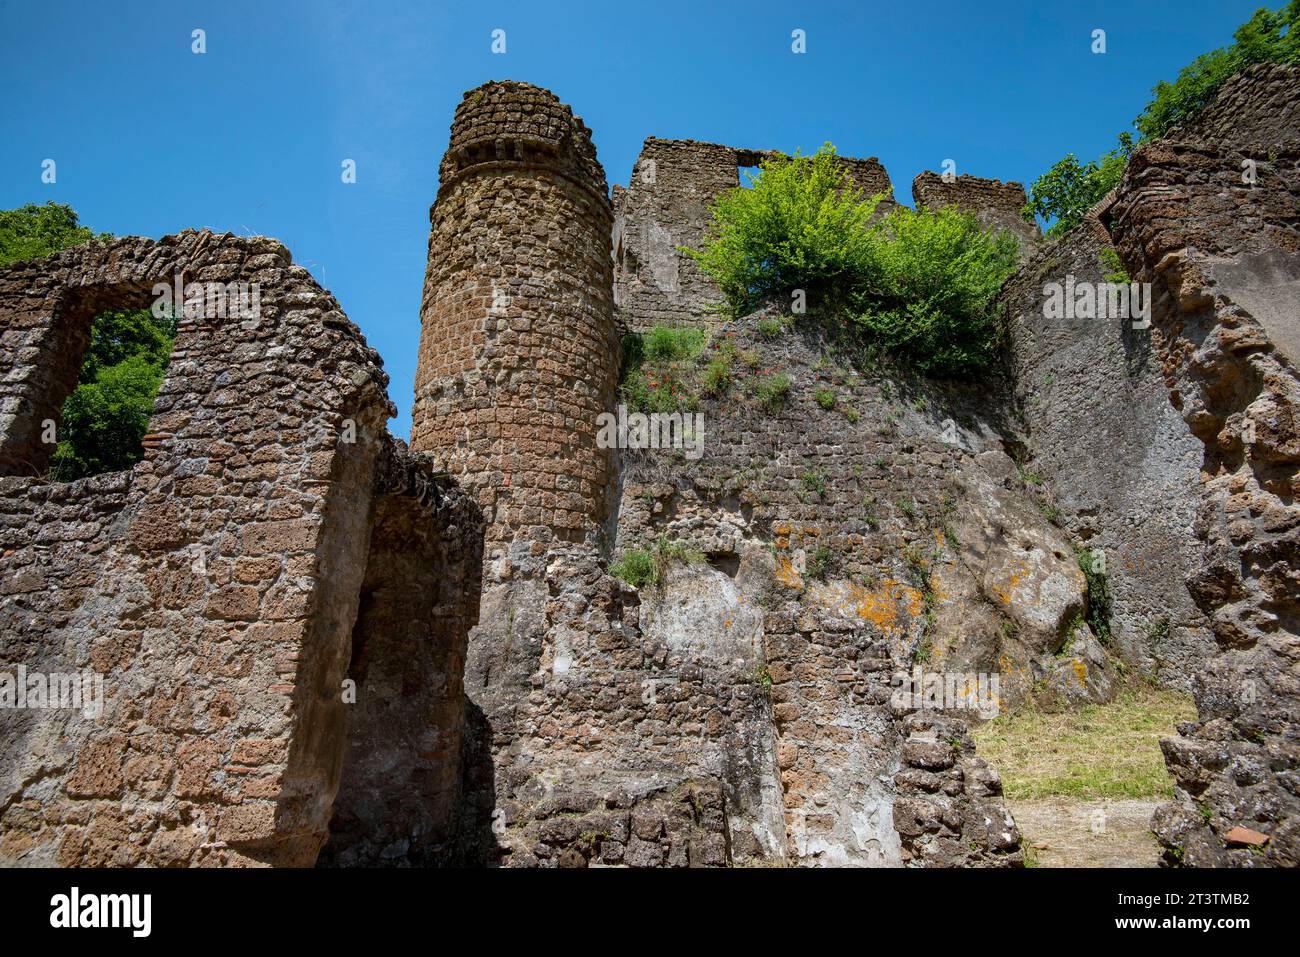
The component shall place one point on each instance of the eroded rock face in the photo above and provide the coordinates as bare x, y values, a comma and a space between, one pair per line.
1186, 221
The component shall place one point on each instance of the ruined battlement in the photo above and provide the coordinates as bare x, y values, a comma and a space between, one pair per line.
997, 205
666, 205
512, 123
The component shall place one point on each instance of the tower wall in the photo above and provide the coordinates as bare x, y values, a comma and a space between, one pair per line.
518, 353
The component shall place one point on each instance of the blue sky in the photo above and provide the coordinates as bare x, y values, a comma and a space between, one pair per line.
150, 138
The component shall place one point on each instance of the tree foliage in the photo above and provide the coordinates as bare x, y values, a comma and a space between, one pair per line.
104, 420
1267, 37
929, 295
32, 231
1064, 194
918, 284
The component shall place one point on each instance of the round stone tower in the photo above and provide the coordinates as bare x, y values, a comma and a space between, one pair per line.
518, 348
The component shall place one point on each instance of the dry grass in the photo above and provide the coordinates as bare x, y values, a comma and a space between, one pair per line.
1093, 752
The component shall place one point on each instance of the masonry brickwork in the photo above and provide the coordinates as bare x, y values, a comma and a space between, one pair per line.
1222, 252
319, 650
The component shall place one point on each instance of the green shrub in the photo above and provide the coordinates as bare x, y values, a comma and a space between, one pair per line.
825, 398
774, 390
802, 225
636, 567
769, 328
931, 298
920, 284
665, 344
104, 420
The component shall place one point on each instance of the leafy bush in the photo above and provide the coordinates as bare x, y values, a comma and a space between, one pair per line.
931, 297
920, 284
802, 225
825, 398
104, 420
769, 328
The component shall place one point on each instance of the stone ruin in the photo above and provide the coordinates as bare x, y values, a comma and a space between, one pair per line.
321, 647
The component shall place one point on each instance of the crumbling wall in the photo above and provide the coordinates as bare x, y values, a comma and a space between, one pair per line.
518, 350
997, 205
830, 528
213, 587
399, 798
666, 205
1221, 251
1113, 455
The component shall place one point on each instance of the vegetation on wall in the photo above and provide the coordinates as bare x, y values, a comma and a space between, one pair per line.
919, 285
1064, 194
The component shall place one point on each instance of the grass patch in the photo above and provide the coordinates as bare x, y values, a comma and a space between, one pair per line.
1093, 752
640, 567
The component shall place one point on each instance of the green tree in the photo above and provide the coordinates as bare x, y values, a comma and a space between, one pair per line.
1065, 193
32, 231
104, 420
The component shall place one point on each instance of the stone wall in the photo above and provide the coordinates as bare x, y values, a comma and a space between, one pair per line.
1222, 254
518, 349
666, 205
1113, 454
997, 205
213, 587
